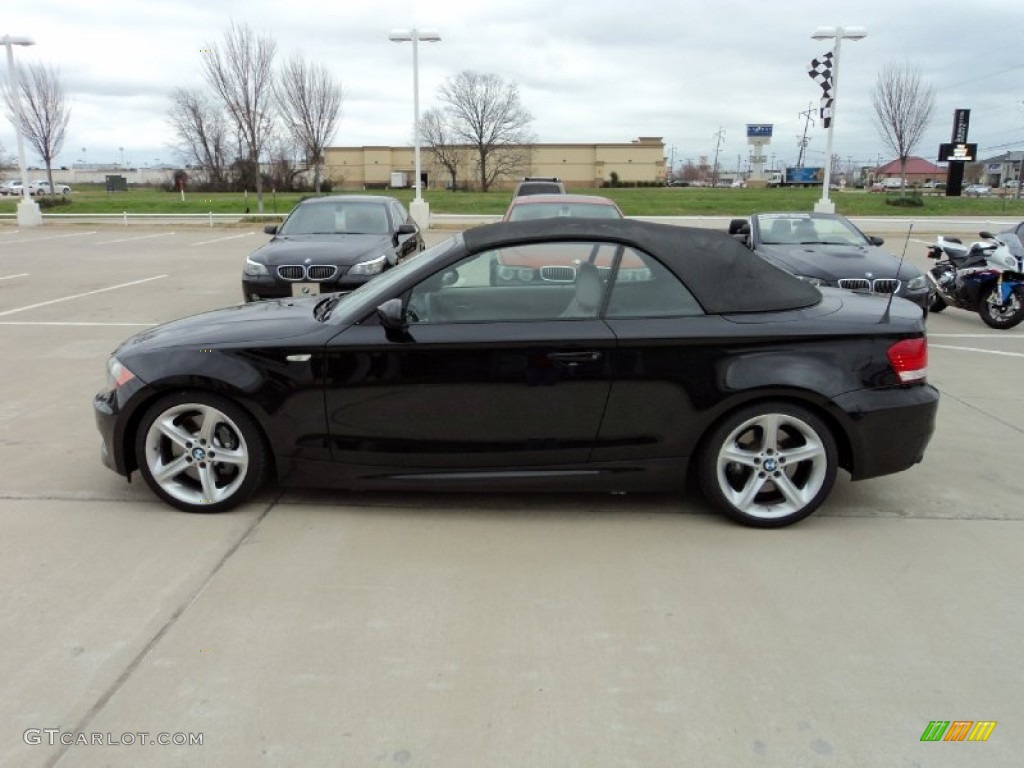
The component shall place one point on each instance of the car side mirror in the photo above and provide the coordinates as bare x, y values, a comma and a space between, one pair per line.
392, 316
876, 240
406, 229
270, 229
450, 277
986, 235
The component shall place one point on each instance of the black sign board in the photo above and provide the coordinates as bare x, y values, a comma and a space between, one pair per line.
958, 153
961, 122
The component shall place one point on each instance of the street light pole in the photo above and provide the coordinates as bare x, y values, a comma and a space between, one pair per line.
419, 209
28, 209
824, 205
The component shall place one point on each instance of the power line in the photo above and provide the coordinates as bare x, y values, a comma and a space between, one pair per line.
984, 77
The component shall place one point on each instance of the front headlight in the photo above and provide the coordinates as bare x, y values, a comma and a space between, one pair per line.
917, 283
117, 374
812, 280
510, 273
255, 269
371, 267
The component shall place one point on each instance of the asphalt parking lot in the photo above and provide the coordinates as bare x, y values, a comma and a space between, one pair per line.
311, 628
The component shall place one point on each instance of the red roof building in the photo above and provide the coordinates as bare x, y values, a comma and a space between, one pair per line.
919, 171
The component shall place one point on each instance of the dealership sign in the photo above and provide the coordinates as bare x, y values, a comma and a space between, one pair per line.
958, 153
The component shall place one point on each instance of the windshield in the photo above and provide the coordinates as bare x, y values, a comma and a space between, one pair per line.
381, 286
793, 229
337, 218
1013, 243
533, 211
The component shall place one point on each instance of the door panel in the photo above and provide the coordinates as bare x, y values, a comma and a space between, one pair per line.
509, 394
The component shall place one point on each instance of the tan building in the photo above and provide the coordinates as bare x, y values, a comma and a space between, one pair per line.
577, 165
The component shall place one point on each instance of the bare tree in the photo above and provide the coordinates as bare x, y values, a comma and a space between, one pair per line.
486, 113
6, 161
904, 108
44, 111
437, 132
310, 102
240, 71
202, 132
283, 170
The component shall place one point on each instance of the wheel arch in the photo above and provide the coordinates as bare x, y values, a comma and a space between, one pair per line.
126, 440
810, 401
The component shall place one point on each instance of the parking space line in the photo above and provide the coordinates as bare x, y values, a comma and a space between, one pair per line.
976, 349
52, 237
139, 237
76, 325
11, 277
973, 336
222, 239
80, 295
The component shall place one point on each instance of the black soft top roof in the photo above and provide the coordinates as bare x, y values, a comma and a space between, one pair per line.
723, 275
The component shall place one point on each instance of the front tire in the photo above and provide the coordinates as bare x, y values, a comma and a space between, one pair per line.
936, 303
768, 465
200, 452
1002, 316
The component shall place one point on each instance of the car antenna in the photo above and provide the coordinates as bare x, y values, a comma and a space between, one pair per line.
899, 271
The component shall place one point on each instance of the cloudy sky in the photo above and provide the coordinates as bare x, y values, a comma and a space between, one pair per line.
588, 70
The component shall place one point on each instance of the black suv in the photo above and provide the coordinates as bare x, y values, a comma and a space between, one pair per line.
539, 185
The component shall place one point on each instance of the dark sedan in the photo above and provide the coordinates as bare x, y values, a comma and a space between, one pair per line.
828, 250
330, 244
705, 360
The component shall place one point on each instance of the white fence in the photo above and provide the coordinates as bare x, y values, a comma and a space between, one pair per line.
891, 225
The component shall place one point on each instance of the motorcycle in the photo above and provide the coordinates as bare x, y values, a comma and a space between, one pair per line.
987, 277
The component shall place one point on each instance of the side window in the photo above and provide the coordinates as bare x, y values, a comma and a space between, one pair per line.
529, 282
644, 287
398, 214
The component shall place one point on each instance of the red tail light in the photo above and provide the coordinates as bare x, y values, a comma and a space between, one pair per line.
909, 359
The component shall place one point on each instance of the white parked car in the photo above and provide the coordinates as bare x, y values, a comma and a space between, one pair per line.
12, 187
43, 188
977, 190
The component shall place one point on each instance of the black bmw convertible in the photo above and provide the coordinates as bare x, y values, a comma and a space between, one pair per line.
645, 353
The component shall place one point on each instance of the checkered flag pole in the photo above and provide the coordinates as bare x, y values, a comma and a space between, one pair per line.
821, 73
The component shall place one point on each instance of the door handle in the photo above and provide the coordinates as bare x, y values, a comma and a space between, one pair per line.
574, 357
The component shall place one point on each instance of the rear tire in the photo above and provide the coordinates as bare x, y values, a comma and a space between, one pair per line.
1002, 317
768, 465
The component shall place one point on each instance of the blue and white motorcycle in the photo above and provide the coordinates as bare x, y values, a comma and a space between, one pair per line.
987, 277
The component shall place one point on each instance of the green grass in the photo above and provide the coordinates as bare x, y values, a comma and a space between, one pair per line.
645, 201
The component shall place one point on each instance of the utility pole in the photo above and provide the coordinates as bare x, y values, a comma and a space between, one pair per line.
718, 145
802, 140
672, 162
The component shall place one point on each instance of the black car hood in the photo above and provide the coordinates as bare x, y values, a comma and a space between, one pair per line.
243, 324
340, 250
833, 262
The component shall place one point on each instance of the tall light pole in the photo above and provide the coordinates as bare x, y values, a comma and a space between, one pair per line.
419, 209
28, 209
824, 205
